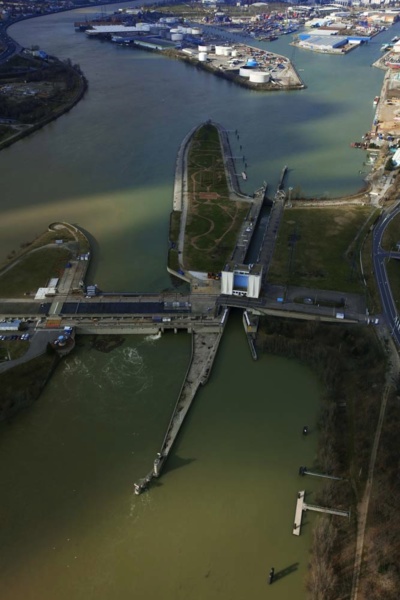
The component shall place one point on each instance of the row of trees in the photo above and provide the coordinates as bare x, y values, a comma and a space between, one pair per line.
350, 363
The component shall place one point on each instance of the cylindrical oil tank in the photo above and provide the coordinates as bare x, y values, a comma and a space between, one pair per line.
204, 48
245, 71
202, 56
259, 77
219, 50
234, 53
176, 37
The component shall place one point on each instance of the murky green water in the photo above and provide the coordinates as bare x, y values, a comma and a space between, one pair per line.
220, 516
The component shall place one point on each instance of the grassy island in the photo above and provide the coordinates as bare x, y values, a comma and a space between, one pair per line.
214, 218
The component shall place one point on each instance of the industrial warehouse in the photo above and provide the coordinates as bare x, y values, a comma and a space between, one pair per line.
246, 65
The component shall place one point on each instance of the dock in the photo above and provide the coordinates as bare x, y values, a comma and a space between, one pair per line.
302, 506
305, 471
299, 512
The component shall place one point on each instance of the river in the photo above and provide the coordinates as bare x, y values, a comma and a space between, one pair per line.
222, 513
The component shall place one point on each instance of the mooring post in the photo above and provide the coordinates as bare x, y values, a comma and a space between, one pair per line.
271, 575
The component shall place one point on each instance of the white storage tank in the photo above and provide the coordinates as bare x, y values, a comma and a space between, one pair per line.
202, 56
176, 37
204, 48
259, 77
219, 50
245, 71
227, 51
234, 53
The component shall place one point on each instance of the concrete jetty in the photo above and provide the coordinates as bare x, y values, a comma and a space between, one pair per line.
305, 471
204, 350
302, 506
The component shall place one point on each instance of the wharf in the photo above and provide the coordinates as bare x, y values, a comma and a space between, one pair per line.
302, 506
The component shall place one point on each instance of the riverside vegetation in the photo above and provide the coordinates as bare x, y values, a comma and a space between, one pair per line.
351, 364
34, 91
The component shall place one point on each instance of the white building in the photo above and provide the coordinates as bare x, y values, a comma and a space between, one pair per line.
241, 280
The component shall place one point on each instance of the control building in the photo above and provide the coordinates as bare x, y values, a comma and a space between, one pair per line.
241, 280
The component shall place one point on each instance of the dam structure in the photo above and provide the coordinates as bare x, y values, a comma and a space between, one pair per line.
202, 311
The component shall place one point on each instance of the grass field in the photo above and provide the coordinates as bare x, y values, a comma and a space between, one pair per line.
392, 234
213, 219
316, 248
33, 271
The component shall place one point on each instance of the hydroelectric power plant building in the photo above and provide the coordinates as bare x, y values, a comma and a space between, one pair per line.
241, 280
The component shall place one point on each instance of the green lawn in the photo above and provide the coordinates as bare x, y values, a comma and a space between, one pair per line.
315, 248
392, 234
33, 271
213, 218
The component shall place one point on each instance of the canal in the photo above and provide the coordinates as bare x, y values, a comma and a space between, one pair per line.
222, 513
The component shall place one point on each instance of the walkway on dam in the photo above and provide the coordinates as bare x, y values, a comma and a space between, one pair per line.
204, 350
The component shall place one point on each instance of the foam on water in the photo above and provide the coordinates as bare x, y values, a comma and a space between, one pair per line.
153, 338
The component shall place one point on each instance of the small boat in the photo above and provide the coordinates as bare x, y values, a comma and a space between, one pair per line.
376, 100
395, 39
244, 175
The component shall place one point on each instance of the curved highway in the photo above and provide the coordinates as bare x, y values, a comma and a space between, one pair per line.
379, 260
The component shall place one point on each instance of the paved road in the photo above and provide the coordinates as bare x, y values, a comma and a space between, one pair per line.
379, 260
11, 45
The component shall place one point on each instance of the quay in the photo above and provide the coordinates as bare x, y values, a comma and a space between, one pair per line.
302, 506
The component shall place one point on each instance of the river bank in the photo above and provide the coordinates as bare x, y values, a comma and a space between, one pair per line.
69, 89
352, 366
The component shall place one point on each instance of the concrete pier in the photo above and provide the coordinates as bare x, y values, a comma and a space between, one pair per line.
302, 506
305, 471
204, 350
299, 512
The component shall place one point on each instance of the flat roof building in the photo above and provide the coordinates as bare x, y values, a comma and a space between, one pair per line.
241, 280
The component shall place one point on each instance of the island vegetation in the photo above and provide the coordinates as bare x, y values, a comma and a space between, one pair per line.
214, 218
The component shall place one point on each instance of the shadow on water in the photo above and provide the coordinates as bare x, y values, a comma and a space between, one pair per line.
284, 572
176, 463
